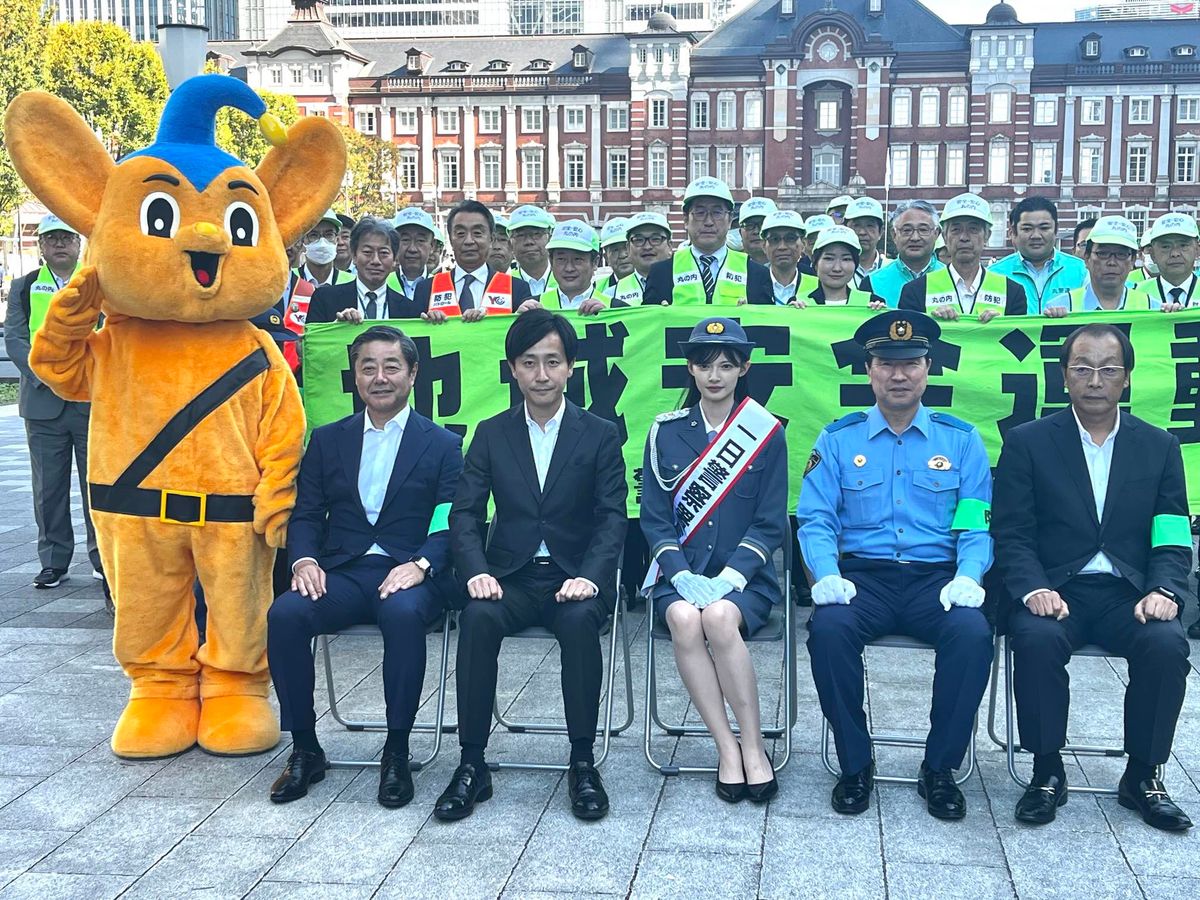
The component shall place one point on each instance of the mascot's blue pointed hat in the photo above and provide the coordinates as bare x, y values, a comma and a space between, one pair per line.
186, 135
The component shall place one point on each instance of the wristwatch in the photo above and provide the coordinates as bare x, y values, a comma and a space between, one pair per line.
1170, 595
424, 565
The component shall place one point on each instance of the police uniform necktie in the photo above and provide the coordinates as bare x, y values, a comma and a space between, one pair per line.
465, 301
706, 275
712, 436
1177, 295
371, 307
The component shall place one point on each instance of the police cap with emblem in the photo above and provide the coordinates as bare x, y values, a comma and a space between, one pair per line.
717, 332
898, 334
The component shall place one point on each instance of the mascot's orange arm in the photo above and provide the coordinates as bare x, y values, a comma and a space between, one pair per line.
64, 348
280, 444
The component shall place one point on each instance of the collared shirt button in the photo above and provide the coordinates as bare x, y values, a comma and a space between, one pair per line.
900, 530
899, 441
710, 523
898, 472
710, 546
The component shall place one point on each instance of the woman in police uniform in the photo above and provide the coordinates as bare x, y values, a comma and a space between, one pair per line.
835, 257
719, 584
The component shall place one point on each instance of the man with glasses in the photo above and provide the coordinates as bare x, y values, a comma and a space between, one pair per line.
1095, 548
1174, 246
750, 220
373, 244
783, 234
965, 287
614, 245
414, 228
1037, 265
708, 272
55, 428
529, 229
838, 209
649, 235
915, 228
864, 216
1108, 254
320, 251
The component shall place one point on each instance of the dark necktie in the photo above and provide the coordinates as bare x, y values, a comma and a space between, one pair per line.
371, 307
1176, 295
706, 275
465, 301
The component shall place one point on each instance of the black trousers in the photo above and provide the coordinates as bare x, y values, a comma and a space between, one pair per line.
1101, 612
529, 600
351, 598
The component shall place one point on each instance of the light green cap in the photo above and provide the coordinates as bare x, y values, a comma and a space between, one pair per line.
574, 234
818, 223
1115, 230
837, 234
707, 186
614, 231
529, 216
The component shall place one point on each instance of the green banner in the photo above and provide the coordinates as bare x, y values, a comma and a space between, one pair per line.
807, 371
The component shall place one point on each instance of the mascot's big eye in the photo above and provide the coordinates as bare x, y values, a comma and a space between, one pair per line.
242, 224
160, 215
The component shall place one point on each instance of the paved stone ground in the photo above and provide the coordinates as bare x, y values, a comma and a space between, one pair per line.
77, 822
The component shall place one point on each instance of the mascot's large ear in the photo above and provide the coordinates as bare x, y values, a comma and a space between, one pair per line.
58, 157
304, 175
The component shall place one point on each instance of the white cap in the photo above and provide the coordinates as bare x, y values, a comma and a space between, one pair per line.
844, 200
783, 218
756, 207
530, 217
414, 215
1173, 223
818, 222
970, 206
50, 222
574, 234
837, 234
1116, 230
614, 231
707, 186
864, 208
637, 220
500, 220
330, 216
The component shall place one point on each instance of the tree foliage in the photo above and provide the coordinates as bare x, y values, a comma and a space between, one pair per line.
241, 135
370, 185
24, 26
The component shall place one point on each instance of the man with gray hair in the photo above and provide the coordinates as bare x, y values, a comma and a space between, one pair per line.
915, 228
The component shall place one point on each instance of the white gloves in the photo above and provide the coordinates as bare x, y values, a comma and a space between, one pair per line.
833, 589
960, 591
700, 591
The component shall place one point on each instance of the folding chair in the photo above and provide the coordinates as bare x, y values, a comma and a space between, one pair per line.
436, 727
779, 627
896, 642
1009, 743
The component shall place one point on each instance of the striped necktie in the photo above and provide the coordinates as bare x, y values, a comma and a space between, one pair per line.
706, 275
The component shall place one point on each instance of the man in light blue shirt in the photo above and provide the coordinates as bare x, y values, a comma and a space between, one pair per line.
1037, 266
915, 229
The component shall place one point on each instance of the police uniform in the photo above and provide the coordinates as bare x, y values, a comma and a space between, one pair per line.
899, 516
739, 537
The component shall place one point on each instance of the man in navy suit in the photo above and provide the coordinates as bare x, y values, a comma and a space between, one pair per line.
368, 543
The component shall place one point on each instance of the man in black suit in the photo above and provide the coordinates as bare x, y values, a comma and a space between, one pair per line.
374, 244
708, 271
557, 478
1090, 521
368, 543
475, 283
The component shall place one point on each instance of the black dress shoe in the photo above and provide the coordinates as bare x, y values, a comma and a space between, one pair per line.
467, 787
732, 791
395, 780
942, 797
589, 801
1149, 799
1041, 800
852, 793
304, 767
1194, 629
761, 793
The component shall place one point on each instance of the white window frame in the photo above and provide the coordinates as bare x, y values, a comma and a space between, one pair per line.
956, 165
617, 115
317, 73
1043, 105
365, 121
823, 104
1189, 150
297, 74
752, 110
276, 74
656, 166
614, 157
409, 162
901, 108
1000, 106
752, 158
726, 119
699, 165
900, 163
533, 119
494, 113
1047, 171
575, 163
927, 165
491, 162
1139, 152
1094, 150
699, 112
999, 161
533, 168
449, 163
658, 113
574, 119
726, 169
1145, 106
930, 112
406, 120
957, 107
448, 120
1187, 110
1091, 111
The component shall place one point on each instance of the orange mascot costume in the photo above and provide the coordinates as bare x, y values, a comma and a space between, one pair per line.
196, 425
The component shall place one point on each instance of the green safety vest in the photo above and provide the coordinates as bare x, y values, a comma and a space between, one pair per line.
629, 291
805, 285
1155, 294
939, 291
552, 299
517, 272
340, 276
1132, 301
393, 281
856, 298
688, 286
41, 292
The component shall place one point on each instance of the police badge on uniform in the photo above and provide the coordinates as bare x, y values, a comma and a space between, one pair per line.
939, 462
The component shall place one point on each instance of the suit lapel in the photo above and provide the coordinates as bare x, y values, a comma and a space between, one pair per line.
412, 445
569, 432
1123, 459
696, 434
1066, 436
352, 457
517, 434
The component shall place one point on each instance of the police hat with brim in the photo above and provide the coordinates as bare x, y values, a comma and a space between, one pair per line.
898, 334
615, 231
756, 208
717, 332
837, 234
707, 186
272, 323
413, 215
967, 206
529, 216
1177, 224
574, 234
783, 218
1115, 230
813, 224
50, 223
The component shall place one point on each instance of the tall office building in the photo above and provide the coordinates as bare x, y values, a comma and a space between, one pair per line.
141, 18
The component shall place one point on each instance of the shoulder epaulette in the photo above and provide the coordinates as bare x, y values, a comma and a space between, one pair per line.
672, 415
845, 421
953, 421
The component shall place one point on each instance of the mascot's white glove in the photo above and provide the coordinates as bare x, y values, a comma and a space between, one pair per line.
833, 589
695, 589
961, 591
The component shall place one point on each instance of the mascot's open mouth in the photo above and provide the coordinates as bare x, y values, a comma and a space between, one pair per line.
204, 266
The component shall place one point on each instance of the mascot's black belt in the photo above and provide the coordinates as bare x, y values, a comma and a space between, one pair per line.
125, 497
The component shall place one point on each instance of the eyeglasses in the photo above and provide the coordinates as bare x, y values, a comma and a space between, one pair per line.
1121, 256
907, 231
60, 238
329, 234
647, 240
709, 212
782, 237
1107, 373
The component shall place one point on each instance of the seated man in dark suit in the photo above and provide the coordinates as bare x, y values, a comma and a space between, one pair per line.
373, 244
368, 543
1094, 546
557, 478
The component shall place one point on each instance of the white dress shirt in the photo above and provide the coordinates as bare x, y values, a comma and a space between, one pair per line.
480, 277
537, 286
1164, 286
566, 302
542, 441
784, 293
966, 290
381, 310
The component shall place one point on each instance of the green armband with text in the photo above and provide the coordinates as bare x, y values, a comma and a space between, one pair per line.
1170, 531
972, 515
440, 520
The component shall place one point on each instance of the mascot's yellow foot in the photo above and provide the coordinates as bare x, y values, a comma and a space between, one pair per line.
154, 727
237, 726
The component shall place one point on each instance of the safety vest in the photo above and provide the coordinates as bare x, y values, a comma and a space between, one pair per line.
856, 298
339, 276
805, 285
1158, 295
295, 315
41, 292
517, 272
629, 291
553, 299
394, 282
688, 286
1132, 301
1138, 275
497, 296
939, 291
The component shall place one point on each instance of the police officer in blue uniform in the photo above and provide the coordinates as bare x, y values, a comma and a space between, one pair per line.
713, 529
893, 514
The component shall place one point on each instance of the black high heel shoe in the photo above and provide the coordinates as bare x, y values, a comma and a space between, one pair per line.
761, 793
732, 791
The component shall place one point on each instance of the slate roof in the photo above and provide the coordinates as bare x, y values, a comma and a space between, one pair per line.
1057, 43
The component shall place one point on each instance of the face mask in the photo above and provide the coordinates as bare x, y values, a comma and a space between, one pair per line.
320, 251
